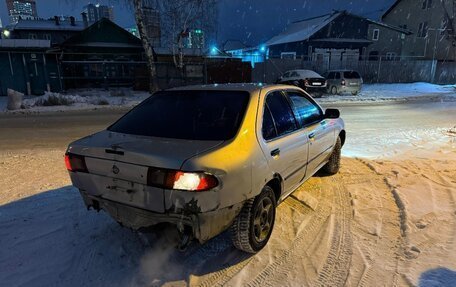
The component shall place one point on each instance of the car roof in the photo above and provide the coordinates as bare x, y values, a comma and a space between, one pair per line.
247, 87
309, 73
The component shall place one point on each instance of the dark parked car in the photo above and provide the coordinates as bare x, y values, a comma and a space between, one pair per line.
308, 80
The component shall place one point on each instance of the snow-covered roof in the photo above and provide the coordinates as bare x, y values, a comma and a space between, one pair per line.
24, 43
47, 25
302, 30
308, 74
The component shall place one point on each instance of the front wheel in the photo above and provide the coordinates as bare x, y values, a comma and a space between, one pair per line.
333, 90
333, 165
253, 226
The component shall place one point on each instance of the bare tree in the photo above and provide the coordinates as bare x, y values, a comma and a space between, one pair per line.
182, 16
146, 41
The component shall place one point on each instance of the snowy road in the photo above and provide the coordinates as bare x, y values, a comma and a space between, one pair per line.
389, 220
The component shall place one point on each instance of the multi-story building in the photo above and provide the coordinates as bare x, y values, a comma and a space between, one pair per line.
96, 12
21, 9
198, 32
195, 39
433, 25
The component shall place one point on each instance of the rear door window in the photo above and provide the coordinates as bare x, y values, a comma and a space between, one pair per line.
337, 74
305, 110
351, 75
294, 75
281, 113
268, 129
190, 115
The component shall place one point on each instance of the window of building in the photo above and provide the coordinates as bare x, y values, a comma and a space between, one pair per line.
422, 30
288, 55
32, 36
47, 37
390, 56
376, 34
443, 26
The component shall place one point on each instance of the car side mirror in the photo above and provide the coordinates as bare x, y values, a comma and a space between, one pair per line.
332, 114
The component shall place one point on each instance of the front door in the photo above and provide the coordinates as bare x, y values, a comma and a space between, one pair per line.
310, 117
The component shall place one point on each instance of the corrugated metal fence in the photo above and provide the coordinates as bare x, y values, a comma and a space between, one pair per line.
380, 70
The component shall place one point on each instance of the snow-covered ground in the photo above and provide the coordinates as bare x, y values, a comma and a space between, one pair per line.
389, 216
93, 99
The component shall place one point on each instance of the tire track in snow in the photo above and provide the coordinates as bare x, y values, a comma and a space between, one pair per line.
268, 276
335, 271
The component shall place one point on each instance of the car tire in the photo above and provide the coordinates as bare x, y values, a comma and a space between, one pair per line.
252, 228
355, 93
333, 165
334, 90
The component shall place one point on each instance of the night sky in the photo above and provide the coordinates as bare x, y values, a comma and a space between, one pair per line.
252, 22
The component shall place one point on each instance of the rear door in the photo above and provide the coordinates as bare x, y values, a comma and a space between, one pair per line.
311, 118
284, 144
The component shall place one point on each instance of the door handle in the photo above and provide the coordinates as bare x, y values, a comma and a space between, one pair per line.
275, 152
311, 135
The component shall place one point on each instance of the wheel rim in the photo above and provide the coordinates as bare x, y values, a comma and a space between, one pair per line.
262, 222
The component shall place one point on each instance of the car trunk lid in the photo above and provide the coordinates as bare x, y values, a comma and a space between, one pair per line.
128, 157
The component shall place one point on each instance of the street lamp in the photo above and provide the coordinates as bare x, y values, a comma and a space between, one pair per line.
6, 33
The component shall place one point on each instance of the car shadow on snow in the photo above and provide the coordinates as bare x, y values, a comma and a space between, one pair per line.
51, 239
439, 277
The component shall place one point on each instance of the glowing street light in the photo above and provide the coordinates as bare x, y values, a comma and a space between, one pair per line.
262, 48
214, 50
6, 33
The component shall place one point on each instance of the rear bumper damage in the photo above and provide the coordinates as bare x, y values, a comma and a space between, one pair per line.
203, 225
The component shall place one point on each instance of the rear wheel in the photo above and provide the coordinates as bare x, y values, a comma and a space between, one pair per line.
253, 226
333, 90
333, 165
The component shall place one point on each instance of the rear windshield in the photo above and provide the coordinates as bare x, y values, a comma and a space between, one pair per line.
191, 115
351, 75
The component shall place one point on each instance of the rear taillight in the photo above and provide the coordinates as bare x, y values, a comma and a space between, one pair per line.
343, 83
179, 180
75, 163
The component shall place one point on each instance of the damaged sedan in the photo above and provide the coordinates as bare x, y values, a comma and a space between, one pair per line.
207, 159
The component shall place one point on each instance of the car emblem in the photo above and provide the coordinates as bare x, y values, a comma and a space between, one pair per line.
115, 169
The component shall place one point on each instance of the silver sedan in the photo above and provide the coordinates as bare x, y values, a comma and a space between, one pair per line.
207, 159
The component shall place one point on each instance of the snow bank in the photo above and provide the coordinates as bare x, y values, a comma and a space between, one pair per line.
395, 92
79, 100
